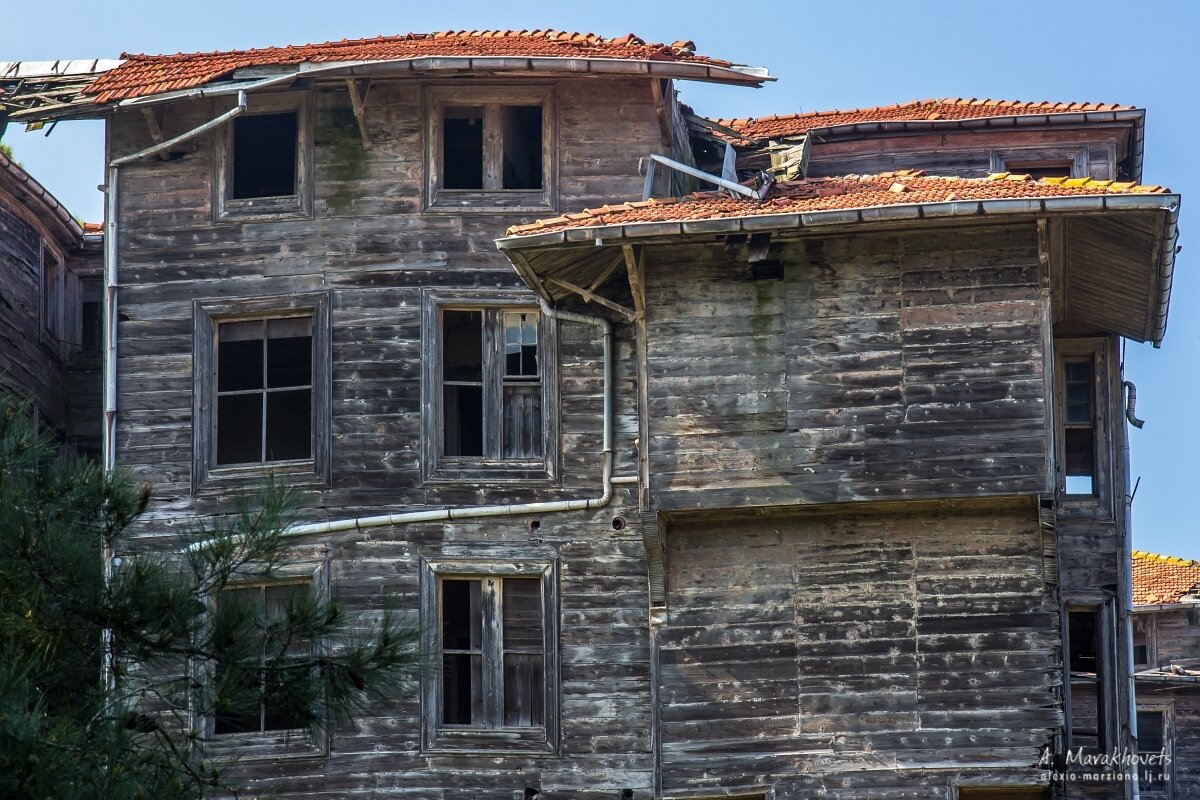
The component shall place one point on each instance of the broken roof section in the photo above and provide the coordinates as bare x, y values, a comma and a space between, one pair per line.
1164, 580
947, 109
1119, 275
37, 89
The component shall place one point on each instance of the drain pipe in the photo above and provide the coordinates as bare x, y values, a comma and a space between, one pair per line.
511, 509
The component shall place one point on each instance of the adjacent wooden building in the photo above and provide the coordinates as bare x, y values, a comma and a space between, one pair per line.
815, 493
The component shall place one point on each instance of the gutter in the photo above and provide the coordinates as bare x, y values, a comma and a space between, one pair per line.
511, 509
633, 232
28, 184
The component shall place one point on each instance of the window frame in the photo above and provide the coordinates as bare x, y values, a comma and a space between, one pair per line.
228, 208
1107, 712
438, 738
1012, 159
207, 315
489, 200
1165, 707
52, 321
284, 743
439, 468
1099, 504
1149, 630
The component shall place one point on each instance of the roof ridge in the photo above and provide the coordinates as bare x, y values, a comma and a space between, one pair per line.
1176, 560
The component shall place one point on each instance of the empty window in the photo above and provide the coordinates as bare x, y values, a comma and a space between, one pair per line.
1144, 656
1154, 750
264, 160
91, 315
491, 384
1079, 426
490, 148
1041, 169
264, 390
492, 635
492, 631
1088, 663
52, 296
267, 694
264, 155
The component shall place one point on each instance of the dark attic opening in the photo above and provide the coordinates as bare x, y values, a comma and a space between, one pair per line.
264, 155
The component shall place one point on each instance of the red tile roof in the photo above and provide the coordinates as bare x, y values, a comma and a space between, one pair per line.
828, 194
151, 74
1163, 579
950, 108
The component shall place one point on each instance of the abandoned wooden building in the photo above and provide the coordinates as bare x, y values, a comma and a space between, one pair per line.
1166, 663
811, 488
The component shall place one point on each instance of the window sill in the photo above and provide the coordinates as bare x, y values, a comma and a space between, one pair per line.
451, 471
263, 209
291, 745
1084, 506
490, 741
503, 201
301, 473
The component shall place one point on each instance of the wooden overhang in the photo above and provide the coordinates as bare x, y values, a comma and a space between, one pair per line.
18, 184
1110, 257
21, 106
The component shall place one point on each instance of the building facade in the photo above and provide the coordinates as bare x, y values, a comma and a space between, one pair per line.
814, 492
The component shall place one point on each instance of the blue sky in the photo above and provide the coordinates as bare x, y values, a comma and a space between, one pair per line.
825, 55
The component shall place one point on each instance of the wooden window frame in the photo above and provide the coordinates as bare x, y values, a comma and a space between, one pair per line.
492, 199
1167, 708
1150, 621
266, 746
1099, 504
206, 315
1077, 155
227, 208
1107, 727
439, 468
438, 738
52, 312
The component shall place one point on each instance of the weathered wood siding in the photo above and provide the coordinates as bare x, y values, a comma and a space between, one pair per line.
371, 247
842, 656
971, 154
882, 366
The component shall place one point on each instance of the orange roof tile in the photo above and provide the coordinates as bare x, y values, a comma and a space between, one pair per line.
950, 108
904, 187
1163, 579
151, 74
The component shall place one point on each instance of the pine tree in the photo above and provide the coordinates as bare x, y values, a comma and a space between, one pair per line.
110, 678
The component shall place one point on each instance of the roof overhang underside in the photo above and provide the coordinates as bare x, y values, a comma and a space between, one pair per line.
1111, 257
18, 102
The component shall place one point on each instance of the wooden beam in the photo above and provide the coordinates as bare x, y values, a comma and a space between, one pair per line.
606, 274
591, 297
358, 102
637, 286
156, 132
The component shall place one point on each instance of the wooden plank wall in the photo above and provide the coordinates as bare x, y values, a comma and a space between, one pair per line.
27, 368
370, 244
882, 366
844, 655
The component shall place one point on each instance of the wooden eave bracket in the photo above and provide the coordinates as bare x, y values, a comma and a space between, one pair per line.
358, 102
156, 132
592, 297
634, 266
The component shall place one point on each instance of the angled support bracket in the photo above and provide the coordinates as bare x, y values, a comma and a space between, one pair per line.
358, 102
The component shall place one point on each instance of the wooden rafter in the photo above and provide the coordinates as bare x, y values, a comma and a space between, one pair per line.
358, 102
637, 285
591, 297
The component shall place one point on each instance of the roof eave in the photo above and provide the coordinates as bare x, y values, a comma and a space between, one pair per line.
680, 70
633, 232
69, 231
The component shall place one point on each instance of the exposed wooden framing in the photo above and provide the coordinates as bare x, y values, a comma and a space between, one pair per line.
637, 286
358, 102
607, 273
151, 114
591, 297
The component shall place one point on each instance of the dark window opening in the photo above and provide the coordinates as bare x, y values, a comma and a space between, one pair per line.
522, 139
1089, 711
522, 396
1079, 427
264, 155
51, 293
1142, 638
1041, 169
268, 694
1084, 634
512, 660
1152, 741
91, 325
264, 390
462, 382
462, 147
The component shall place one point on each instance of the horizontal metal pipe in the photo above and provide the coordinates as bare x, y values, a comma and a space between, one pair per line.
183, 137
